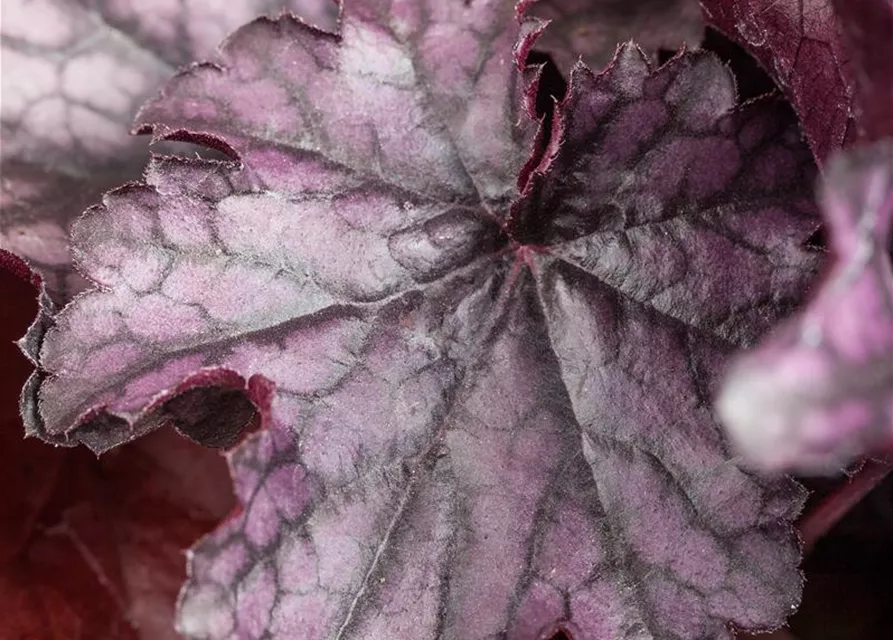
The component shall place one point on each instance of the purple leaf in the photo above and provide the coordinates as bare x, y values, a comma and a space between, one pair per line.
591, 29
74, 72
487, 412
867, 27
799, 44
459, 133
819, 392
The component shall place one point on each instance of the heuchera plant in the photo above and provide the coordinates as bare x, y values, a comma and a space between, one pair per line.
477, 297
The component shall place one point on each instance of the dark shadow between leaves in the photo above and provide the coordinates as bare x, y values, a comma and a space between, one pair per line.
818, 241
848, 586
212, 416
558, 631
552, 85
215, 408
752, 81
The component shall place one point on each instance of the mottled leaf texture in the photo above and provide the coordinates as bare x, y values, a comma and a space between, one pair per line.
819, 392
487, 412
93, 549
591, 29
799, 43
74, 72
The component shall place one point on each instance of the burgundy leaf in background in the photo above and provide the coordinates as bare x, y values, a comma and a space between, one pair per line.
799, 43
867, 27
819, 392
104, 557
88, 548
591, 29
39, 462
487, 411
74, 73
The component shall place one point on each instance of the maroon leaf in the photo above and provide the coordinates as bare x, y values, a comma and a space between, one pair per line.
591, 29
38, 464
74, 72
799, 44
487, 411
104, 555
819, 392
867, 27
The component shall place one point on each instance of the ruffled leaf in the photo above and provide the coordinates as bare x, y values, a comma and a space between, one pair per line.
485, 396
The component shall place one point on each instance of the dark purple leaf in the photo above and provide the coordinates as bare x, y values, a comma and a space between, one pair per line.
799, 44
867, 27
487, 412
819, 392
74, 72
591, 29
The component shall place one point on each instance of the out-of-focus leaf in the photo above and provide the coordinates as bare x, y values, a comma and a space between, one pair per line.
29, 472
103, 555
819, 392
591, 29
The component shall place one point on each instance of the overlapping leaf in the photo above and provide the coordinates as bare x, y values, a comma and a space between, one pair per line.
487, 411
799, 43
74, 73
819, 393
867, 27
